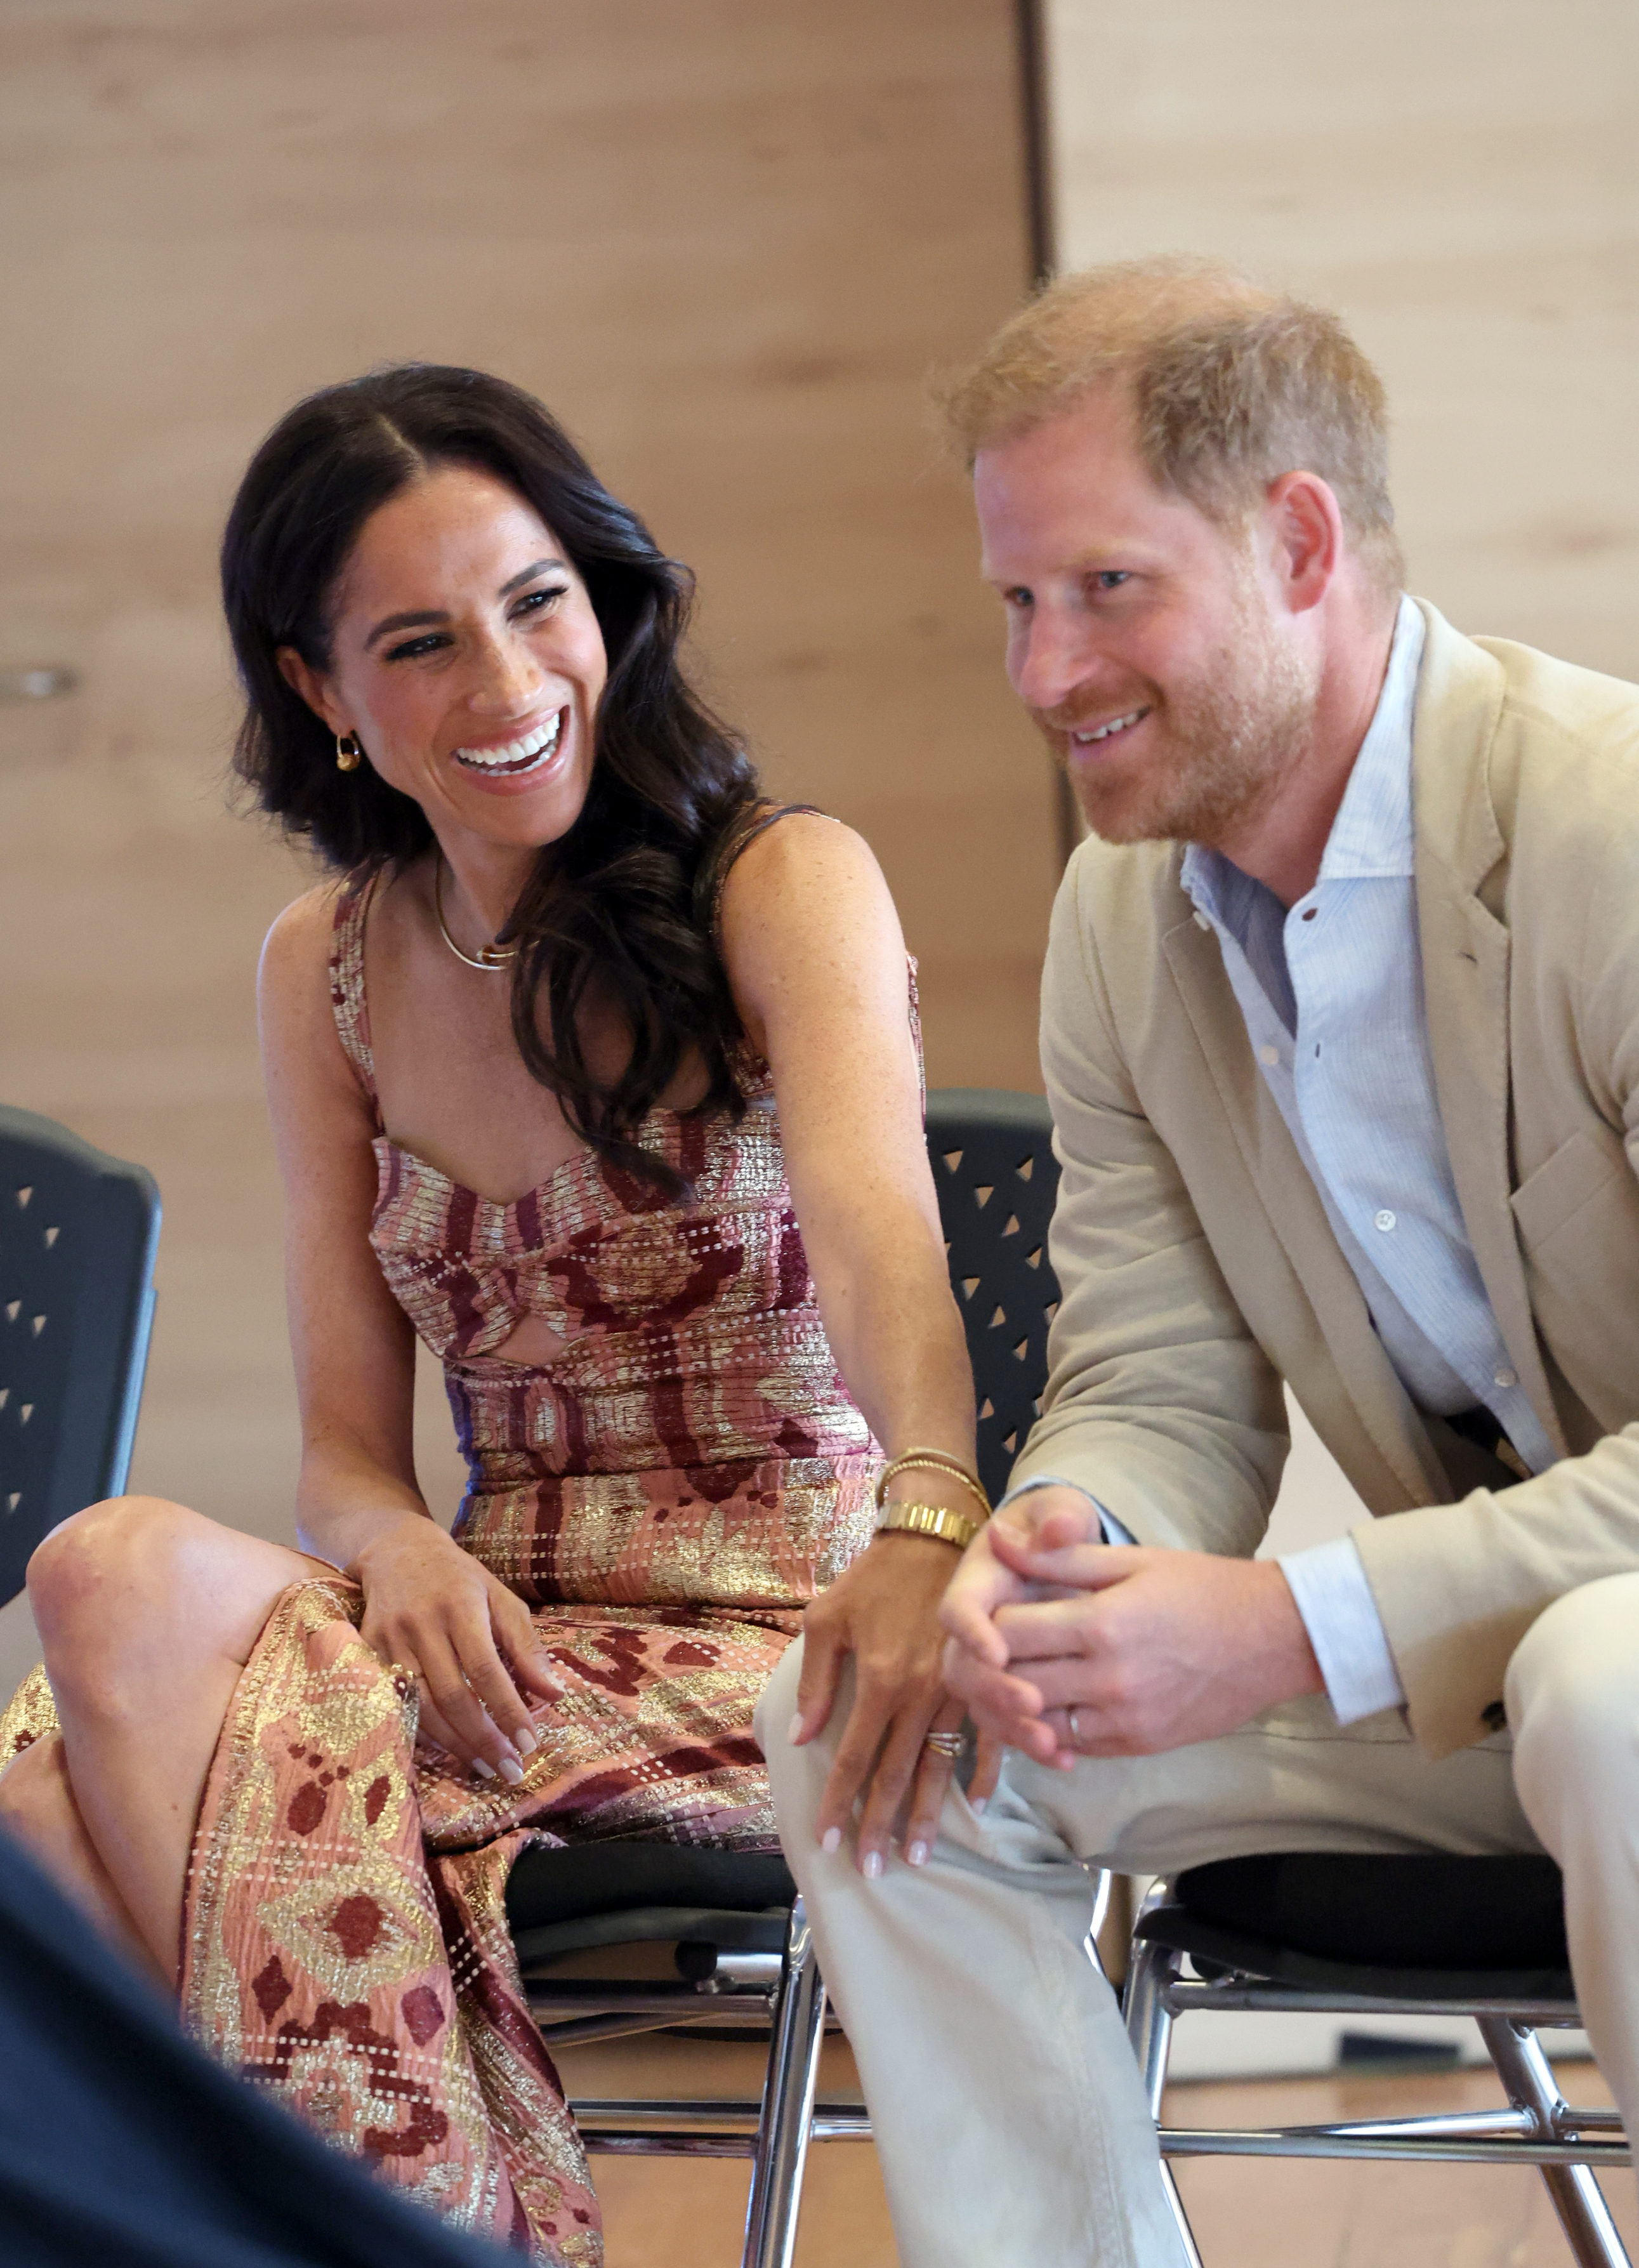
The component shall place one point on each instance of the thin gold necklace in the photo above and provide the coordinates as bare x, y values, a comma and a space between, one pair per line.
488, 956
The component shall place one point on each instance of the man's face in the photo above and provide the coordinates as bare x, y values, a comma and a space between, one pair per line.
1150, 645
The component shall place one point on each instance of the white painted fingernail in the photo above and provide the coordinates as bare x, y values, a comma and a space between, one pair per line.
512, 1771
917, 1853
481, 1770
795, 1734
526, 1743
831, 1840
873, 1868
976, 1806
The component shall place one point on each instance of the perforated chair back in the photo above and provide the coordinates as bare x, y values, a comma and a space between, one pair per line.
997, 1180
79, 1232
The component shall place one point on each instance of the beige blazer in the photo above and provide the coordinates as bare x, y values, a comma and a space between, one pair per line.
1195, 1261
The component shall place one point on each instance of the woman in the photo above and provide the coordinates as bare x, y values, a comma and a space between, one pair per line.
599, 1073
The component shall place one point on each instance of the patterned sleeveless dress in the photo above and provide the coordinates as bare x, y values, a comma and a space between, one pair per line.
666, 1495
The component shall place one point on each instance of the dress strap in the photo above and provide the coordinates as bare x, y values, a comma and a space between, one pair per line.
756, 820
347, 977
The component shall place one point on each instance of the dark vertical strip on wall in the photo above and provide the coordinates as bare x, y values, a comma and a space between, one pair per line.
1037, 137
1036, 140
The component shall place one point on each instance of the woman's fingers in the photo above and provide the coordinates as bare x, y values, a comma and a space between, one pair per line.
825, 1647
435, 1726
475, 1737
524, 1651
931, 1784
497, 1700
899, 1756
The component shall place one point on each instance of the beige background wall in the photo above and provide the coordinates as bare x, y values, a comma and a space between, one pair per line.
1461, 179
725, 242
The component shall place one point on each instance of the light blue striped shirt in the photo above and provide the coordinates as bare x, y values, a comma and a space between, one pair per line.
1332, 993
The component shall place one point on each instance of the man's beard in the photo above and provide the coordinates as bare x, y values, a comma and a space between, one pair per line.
1230, 739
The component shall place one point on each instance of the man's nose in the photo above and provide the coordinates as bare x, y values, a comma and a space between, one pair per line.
1050, 658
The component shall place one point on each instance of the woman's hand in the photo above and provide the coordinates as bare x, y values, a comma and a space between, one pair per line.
884, 1611
432, 1608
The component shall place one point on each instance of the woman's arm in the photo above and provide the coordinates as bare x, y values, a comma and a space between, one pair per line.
817, 961
428, 1605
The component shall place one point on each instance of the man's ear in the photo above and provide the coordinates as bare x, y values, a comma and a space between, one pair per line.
314, 689
1306, 528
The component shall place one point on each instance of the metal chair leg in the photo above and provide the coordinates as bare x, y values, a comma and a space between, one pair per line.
1150, 2030
1149, 2024
788, 2101
1528, 2078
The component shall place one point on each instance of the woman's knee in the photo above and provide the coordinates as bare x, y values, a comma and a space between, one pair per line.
108, 1558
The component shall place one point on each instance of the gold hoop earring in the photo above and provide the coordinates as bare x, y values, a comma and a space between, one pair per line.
348, 752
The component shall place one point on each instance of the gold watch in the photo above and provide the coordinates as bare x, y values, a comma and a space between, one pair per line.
928, 1520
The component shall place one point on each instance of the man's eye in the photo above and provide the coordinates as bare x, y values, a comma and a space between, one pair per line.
1111, 578
1018, 597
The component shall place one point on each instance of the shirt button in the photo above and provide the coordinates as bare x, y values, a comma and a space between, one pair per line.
1504, 1378
1385, 1220
1268, 1055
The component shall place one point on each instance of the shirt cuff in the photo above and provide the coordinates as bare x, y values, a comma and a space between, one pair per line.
1112, 1530
1345, 1628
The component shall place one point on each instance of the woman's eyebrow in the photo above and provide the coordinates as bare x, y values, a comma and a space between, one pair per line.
540, 567
390, 622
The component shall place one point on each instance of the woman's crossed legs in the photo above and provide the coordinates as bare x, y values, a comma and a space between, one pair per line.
147, 1614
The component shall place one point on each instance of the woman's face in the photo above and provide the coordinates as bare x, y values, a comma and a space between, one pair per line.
465, 656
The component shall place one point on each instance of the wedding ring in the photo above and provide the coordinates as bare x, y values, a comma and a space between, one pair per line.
947, 1744
1075, 1730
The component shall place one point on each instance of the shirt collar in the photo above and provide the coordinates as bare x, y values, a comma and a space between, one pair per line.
1371, 835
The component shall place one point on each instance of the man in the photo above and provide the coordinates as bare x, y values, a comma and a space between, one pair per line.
1340, 1032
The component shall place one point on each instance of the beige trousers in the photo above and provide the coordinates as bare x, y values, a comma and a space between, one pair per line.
1009, 2120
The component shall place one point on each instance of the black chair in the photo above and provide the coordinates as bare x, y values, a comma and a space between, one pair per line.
1322, 1931
742, 1954
79, 1232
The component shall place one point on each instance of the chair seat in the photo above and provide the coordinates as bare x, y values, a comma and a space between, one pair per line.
560, 1902
1422, 1927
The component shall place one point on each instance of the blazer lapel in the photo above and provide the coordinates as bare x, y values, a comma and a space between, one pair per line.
1466, 975
1296, 1214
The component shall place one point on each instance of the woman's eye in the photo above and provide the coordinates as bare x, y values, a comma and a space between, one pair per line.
411, 647
534, 601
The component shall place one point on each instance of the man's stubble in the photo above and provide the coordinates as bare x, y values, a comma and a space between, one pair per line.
1233, 737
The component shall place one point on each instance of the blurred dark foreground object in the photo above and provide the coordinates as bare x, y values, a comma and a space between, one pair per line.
122, 2144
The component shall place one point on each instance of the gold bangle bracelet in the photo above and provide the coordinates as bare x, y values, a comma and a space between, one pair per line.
931, 1461
928, 1520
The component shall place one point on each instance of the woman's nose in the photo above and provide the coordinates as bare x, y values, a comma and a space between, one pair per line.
507, 677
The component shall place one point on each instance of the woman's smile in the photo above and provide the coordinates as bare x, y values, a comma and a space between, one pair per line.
525, 755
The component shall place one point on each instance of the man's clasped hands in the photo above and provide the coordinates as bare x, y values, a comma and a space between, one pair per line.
1065, 1646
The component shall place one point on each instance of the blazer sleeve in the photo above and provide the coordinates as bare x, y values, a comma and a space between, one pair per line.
1159, 1402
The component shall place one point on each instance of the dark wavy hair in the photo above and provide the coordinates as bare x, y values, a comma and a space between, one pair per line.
624, 902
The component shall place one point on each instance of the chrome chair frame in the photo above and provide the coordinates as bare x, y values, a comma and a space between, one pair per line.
1538, 2128
983, 1144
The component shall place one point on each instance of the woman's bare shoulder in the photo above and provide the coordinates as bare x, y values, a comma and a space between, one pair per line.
301, 937
293, 979
796, 866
